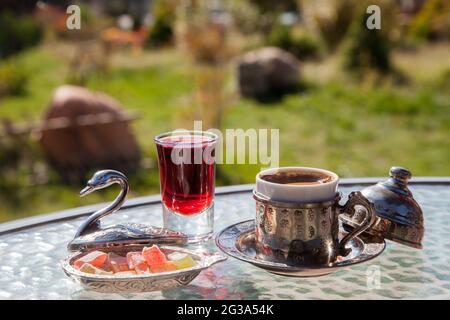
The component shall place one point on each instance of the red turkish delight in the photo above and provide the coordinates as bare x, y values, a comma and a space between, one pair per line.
94, 258
116, 263
153, 255
137, 262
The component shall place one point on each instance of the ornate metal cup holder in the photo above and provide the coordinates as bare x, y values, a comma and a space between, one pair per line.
386, 210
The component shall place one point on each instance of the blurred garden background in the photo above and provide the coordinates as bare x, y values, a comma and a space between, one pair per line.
344, 97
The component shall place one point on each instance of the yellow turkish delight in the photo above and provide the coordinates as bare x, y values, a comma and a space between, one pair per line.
89, 268
182, 260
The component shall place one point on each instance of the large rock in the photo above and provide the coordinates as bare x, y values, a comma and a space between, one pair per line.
85, 131
267, 71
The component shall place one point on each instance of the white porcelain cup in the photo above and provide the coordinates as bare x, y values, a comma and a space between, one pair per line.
303, 193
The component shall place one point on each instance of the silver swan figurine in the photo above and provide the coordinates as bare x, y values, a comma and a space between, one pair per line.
100, 180
91, 235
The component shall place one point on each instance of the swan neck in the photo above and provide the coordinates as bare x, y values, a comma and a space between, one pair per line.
92, 221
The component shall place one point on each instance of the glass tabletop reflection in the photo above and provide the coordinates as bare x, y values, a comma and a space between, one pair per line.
30, 261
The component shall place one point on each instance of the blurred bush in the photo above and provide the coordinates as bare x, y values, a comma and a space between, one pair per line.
207, 43
210, 99
9, 160
203, 32
20, 166
13, 79
301, 45
162, 31
366, 51
270, 10
203, 35
443, 82
53, 20
246, 17
334, 25
432, 22
89, 59
115, 7
17, 33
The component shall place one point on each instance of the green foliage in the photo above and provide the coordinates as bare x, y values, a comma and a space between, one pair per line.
333, 27
13, 79
366, 50
354, 123
443, 82
302, 45
17, 33
432, 21
259, 16
162, 31
280, 37
15, 168
246, 16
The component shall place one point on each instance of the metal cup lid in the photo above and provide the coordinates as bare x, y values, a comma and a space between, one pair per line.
399, 216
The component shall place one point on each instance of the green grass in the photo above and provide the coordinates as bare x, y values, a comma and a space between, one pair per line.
352, 130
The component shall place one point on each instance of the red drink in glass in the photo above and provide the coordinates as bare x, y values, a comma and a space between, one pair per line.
186, 188
187, 175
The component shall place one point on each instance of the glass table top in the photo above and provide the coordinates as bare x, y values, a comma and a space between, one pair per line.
30, 269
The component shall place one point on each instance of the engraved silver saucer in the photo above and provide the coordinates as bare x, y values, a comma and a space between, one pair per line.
238, 241
140, 282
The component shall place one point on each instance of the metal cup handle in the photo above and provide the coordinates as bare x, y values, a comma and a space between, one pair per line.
356, 199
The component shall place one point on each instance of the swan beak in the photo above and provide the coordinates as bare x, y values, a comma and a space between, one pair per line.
86, 191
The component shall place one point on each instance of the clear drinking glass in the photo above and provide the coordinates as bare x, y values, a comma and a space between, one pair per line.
186, 161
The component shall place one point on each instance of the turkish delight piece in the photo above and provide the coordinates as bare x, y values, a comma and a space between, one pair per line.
94, 258
137, 262
89, 268
153, 255
182, 260
163, 267
116, 263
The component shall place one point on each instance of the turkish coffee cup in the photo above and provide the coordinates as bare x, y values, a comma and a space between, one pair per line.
297, 211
